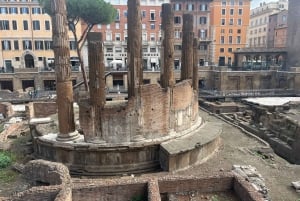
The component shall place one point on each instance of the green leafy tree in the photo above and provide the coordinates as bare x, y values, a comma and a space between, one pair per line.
91, 12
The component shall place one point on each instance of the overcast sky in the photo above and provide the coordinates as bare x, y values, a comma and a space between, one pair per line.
255, 3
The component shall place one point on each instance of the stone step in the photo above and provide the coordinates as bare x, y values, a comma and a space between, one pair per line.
191, 149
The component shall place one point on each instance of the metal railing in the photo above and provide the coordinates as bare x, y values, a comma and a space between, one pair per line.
248, 93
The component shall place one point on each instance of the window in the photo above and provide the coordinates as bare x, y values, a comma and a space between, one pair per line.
240, 31
152, 15
125, 13
203, 7
72, 45
36, 25
222, 30
232, 2
230, 49
177, 47
144, 36
13, 10
47, 25
152, 26
6, 45
177, 7
117, 25
143, 26
36, 10
16, 45
231, 11
143, 13
126, 26
152, 49
4, 25
17, 58
177, 20
240, 11
38, 45
238, 39
3, 10
222, 40
240, 2
109, 49
189, 7
202, 33
14, 25
222, 21
48, 45
239, 22
223, 11
24, 10
230, 31
223, 2
118, 49
27, 45
202, 20
145, 50
230, 39
25, 24
231, 21
177, 34
118, 15
221, 49
108, 36
152, 37
118, 37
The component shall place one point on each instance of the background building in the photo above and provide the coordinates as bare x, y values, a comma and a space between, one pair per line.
229, 24
26, 46
258, 34
277, 30
115, 35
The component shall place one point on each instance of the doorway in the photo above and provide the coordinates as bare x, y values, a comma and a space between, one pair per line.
29, 61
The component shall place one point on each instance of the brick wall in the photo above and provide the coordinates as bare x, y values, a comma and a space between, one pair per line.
44, 109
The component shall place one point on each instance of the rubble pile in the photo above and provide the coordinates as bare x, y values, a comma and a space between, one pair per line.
252, 175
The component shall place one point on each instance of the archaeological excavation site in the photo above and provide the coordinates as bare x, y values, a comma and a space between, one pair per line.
133, 148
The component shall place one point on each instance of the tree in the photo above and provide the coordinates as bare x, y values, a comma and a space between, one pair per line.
91, 12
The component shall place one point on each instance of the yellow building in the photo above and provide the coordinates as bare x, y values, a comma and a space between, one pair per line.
26, 42
229, 24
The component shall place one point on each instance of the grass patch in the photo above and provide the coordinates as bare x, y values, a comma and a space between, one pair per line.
1, 127
7, 175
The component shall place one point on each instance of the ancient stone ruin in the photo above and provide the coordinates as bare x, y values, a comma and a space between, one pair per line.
158, 127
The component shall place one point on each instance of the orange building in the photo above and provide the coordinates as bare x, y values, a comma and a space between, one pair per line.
229, 24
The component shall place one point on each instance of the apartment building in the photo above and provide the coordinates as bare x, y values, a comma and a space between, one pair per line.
115, 35
229, 24
258, 33
201, 12
277, 30
26, 46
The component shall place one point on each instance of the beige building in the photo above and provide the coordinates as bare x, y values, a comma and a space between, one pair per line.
26, 45
259, 20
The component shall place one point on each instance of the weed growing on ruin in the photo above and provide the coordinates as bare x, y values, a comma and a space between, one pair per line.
6, 158
1, 127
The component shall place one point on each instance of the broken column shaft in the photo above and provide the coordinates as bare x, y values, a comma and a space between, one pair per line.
187, 47
134, 48
167, 70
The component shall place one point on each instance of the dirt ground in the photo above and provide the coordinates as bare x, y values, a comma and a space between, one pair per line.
237, 148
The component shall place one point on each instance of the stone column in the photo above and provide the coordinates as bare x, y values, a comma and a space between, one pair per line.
167, 68
96, 86
134, 48
195, 65
187, 47
64, 88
